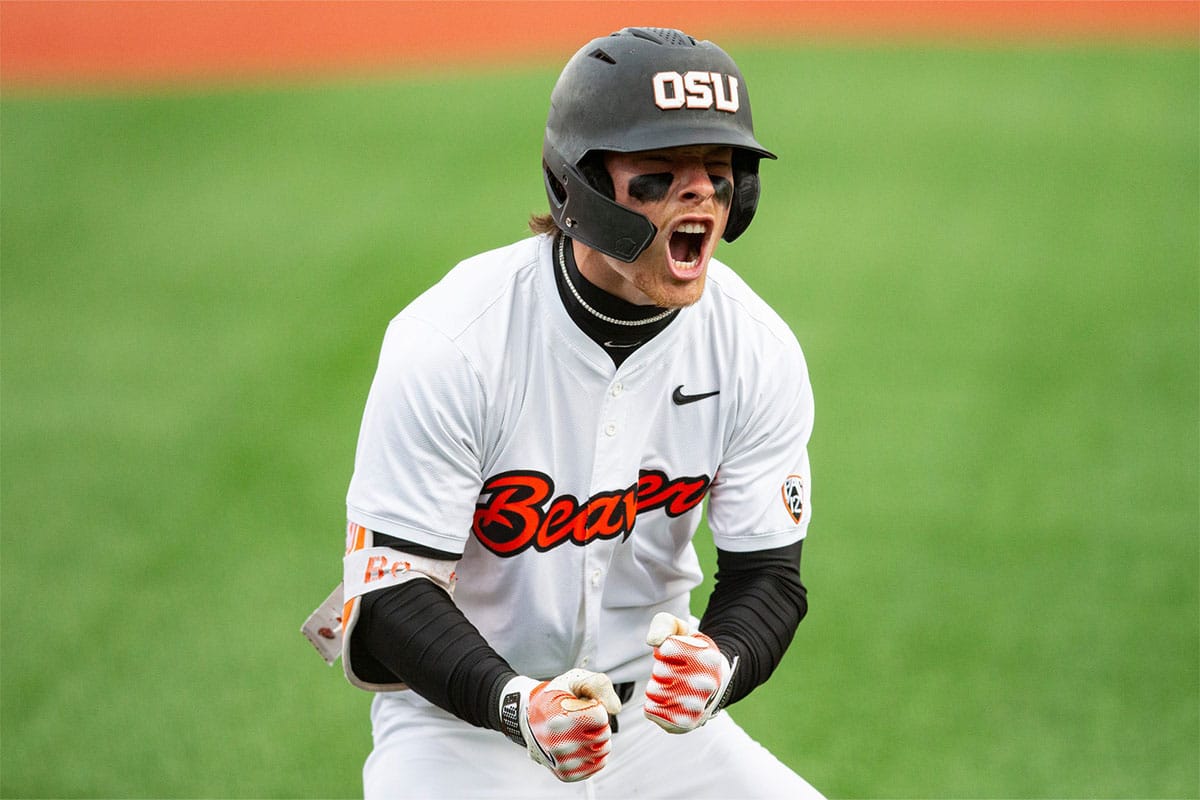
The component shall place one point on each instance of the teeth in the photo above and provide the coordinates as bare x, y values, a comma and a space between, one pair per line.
691, 229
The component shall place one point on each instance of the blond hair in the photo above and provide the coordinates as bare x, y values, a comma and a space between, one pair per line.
542, 223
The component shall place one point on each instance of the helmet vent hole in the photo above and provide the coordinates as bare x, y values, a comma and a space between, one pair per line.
665, 36
600, 55
554, 185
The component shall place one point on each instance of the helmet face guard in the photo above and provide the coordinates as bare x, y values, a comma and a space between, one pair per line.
643, 89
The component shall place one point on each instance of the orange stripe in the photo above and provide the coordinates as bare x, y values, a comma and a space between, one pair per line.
356, 537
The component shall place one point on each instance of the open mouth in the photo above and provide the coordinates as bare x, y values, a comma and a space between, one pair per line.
686, 245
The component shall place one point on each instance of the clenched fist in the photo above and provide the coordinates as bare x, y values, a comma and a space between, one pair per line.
690, 676
563, 723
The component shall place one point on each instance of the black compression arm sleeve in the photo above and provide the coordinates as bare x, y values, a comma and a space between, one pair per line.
755, 606
415, 633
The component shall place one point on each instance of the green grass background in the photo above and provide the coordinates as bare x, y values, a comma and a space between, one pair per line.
989, 254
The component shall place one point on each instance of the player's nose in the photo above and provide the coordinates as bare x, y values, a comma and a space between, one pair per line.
694, 182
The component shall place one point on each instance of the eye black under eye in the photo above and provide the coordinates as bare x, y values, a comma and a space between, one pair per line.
654, 187
722, 189
649, 188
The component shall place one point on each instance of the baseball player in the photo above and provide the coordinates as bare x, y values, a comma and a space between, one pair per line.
538, 443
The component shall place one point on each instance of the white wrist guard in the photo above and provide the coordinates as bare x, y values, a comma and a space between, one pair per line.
513, 702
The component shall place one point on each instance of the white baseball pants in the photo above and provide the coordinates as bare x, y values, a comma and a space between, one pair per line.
424, 752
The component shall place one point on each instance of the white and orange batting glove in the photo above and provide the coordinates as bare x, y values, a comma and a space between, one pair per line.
562, 723
690, 676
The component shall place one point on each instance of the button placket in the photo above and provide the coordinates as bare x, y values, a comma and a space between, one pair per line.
593, 591
612, 423
613, 410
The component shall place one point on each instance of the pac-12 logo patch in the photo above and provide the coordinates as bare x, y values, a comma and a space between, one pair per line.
793, 497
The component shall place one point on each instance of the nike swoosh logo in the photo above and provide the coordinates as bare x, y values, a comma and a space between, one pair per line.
681, 399
619, 344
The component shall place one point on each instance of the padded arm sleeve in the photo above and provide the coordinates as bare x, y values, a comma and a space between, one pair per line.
414, 632
755, 606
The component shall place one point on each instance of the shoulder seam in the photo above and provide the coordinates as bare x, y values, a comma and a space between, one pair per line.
453, 342
715, 282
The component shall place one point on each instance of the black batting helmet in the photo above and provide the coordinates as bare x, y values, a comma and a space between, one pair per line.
643, 89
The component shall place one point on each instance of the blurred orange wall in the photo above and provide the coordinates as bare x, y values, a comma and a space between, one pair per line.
48, 43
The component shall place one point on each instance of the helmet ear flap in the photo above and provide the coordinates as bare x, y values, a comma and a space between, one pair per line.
746, 189
590, 217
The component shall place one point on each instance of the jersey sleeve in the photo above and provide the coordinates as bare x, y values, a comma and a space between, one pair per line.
417, 470
761, 497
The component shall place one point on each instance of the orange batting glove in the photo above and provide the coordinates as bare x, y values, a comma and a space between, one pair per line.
562, 723
690, 676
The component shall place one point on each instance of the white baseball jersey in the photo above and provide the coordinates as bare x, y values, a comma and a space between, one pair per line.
495, 428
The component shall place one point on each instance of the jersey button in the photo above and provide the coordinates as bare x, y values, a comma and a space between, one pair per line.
610, 429
617, 389
596, 577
